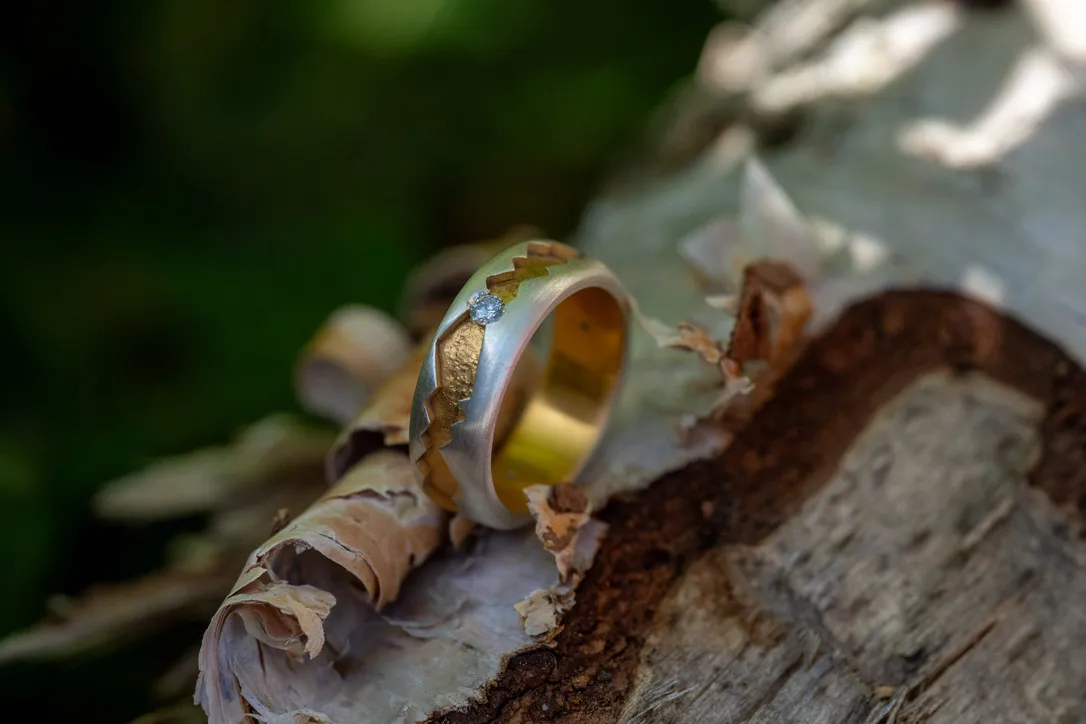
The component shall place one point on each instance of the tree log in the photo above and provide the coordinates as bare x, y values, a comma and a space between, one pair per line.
891, 539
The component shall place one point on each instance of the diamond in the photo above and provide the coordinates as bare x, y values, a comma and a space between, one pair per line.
485, 308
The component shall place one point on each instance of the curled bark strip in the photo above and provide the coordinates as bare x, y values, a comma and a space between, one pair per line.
383, 422
274, 453
360, 540
348, 358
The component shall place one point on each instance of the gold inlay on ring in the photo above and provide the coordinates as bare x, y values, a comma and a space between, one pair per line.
560, 422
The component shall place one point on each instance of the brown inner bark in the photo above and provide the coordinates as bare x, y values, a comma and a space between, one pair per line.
787, 452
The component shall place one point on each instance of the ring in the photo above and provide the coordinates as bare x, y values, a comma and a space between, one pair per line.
478, 437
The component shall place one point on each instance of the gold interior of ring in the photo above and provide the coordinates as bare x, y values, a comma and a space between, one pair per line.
563, 419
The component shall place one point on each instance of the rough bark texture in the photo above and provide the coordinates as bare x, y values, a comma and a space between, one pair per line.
893, 538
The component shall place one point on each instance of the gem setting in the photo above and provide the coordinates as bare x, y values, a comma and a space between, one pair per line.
485, 308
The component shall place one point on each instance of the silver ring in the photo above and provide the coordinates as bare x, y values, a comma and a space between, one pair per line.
479, 433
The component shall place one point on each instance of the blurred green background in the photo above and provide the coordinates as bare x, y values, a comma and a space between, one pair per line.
191, 186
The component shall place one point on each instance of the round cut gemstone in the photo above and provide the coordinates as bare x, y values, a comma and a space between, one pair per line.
485, 308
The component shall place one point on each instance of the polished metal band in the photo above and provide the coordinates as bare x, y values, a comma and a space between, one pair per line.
479, 435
